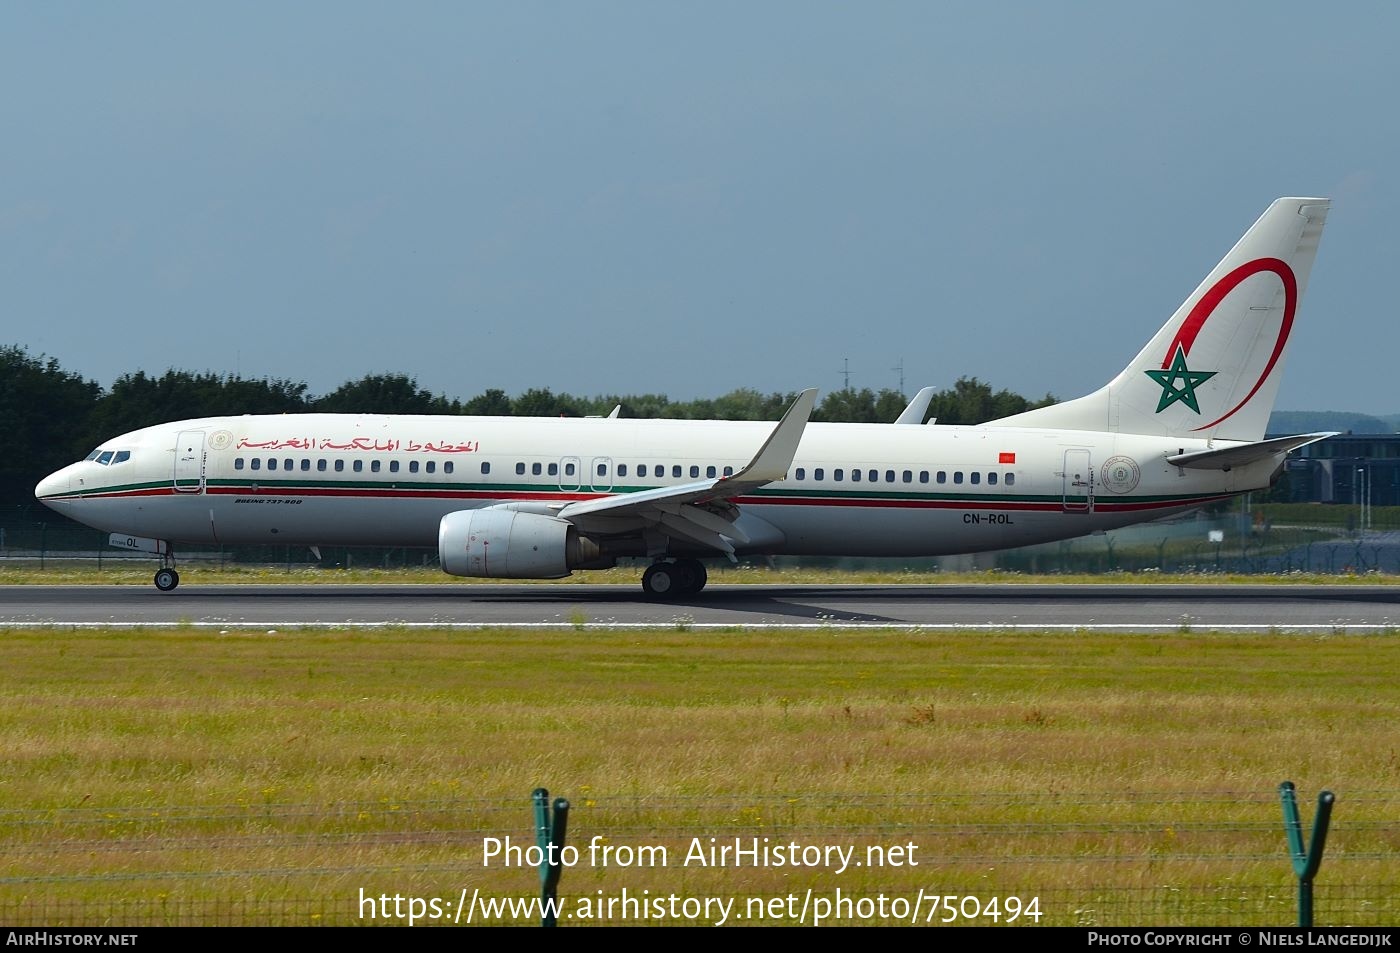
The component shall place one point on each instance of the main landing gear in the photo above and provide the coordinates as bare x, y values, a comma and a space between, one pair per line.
671, 580
166, 576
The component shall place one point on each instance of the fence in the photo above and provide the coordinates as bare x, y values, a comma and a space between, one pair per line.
1049, 859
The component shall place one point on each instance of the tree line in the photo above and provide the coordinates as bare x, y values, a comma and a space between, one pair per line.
50, 417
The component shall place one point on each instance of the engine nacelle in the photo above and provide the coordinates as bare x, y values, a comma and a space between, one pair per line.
504, 543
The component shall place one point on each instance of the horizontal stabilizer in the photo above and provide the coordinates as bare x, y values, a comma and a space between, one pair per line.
1231, 457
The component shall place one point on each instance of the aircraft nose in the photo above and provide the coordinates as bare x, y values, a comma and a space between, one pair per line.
55, 484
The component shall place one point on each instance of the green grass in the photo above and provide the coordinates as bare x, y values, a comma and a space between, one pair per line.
183, 776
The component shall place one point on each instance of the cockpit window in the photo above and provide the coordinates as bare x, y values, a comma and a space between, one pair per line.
108, 458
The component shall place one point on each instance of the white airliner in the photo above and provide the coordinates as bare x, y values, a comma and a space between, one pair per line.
510, 497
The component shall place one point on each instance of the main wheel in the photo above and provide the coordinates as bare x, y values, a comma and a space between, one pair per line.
692, 576
660, 581
167, 579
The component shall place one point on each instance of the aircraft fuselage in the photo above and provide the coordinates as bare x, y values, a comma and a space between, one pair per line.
852, 489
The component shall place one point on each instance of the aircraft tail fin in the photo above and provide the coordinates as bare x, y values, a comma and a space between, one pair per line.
1213, 370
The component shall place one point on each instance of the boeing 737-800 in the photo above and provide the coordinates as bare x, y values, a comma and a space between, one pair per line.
507, 497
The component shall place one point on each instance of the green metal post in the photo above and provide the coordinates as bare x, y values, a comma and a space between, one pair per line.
1306, 860
549, 836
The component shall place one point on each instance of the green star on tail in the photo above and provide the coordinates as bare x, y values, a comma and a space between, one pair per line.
1190, 380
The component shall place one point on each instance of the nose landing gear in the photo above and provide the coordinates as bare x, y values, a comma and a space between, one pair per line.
166, 577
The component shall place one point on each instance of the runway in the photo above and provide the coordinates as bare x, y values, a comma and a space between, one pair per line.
1129, 608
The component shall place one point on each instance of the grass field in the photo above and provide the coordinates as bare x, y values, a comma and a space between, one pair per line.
183, 776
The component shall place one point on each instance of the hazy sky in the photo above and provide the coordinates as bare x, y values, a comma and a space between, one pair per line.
685, 198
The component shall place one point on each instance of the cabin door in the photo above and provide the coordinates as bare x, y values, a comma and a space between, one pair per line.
189, 461
1078, 482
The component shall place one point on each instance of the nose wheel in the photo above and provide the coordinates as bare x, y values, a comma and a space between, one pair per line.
166, 576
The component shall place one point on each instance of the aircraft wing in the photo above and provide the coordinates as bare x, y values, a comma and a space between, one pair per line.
1228, 457
699, 512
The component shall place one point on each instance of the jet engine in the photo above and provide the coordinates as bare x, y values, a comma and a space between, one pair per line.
507, 544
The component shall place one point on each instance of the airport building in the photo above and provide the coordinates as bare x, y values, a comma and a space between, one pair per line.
1348, 468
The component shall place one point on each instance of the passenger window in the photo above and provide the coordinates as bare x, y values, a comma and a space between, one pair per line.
889, 476
272, 463
874, 476
238, 463
374, 466
602, 469
908, 476
358, 466
447, 467
957, 476
923, 476
992, 478
431, 466
676, 471
553, 468
305, 465
622, 469
413, 466
710, 472
728, 471
819, 474
855, 475
1011, 479
393, 466
975, 477
321, 465
568, 469
536, 469
257, 464
520, 469
942, 476
485, 466
339, 466
802, 473
641, 469
694, 472
838, 474
288, 464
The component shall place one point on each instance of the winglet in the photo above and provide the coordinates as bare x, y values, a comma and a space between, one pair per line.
664, 504
775, 456
914, 413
